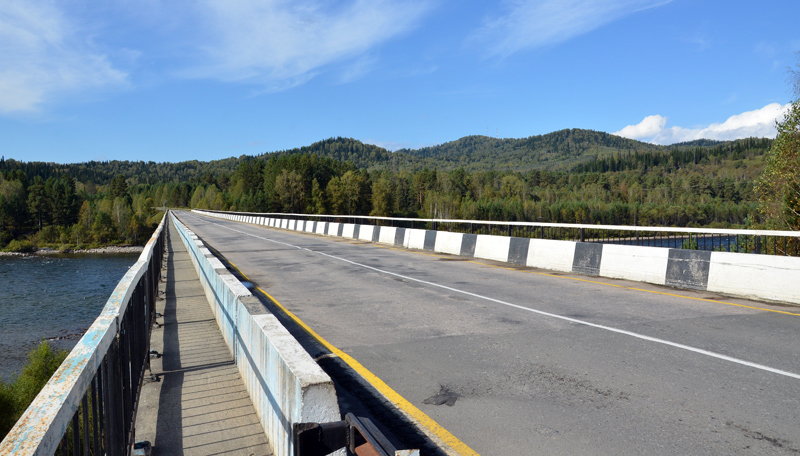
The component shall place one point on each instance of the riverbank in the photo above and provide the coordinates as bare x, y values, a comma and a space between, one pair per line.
114, 249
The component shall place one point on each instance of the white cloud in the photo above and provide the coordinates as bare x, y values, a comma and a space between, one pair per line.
647, 128
43, 56
759, 123
536, 23
284, 43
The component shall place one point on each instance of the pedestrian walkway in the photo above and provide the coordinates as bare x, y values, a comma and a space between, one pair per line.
200, 405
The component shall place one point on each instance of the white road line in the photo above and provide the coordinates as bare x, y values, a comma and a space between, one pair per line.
540, 312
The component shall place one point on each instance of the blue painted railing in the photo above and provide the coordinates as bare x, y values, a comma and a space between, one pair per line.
89, 405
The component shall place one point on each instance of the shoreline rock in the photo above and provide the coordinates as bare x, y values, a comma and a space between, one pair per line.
97, 250
111, 249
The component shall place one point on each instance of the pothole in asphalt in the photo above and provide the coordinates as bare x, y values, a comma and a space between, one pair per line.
443, 397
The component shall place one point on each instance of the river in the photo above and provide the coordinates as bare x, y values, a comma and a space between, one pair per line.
52, 297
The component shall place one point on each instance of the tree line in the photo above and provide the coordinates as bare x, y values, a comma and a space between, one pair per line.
695, 184
64, 213
709, 193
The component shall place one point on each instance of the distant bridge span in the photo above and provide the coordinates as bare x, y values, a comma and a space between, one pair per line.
516, 360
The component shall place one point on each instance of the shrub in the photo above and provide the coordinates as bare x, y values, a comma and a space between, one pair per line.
48, 234
18, 394
23, 246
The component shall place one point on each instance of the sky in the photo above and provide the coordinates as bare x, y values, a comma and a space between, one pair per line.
177, 80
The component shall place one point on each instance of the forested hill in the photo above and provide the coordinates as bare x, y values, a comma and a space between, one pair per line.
136, 172
565, 150
558, 150
345, 150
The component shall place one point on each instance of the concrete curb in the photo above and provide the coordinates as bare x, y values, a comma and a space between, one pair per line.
285, 384
766, 277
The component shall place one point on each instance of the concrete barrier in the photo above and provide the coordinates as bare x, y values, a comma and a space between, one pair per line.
415, 239
755, 276
365, 232
284, 383
549, 254
388, 235
643, 264
448, 243
348, 230
766, 277
491, 247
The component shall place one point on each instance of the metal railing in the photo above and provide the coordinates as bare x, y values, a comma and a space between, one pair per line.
356, 435
771, 242
89, 405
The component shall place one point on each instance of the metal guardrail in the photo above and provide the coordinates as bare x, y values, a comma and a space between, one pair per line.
771, 242
357, 435
89, 405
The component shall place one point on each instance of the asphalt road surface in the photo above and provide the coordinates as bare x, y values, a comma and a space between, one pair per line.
518, 361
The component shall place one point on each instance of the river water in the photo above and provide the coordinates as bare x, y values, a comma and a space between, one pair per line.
52, 297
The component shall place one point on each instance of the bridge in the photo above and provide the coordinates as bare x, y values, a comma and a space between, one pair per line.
452, 342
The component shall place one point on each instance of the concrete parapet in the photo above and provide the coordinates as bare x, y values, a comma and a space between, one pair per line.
388, 235
348, 230
284, 383
490, 247
643, 264
549, 254
365, 232
688, 269
447, 242
414, 239
755, 276
768, 277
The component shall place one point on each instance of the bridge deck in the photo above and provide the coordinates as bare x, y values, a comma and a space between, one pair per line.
516, 361
200, 406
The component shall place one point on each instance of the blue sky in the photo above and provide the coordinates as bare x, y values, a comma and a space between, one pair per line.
180, 80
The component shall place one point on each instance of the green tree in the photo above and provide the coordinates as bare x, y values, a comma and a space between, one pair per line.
80, 234
352, 190
86, 216
13, 204
290, 191
335, 193
122, 215
198, 195
317, 198
65, 202
778, 188
118, 188
103, 228
39, 202
381, 198
512, 187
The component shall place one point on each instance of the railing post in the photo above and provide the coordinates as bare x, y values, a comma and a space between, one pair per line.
113, 392
583, 235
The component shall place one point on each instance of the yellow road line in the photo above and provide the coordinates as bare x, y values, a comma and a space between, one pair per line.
715, 301
398, 400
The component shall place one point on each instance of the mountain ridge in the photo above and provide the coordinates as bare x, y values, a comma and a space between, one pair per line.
562, 150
